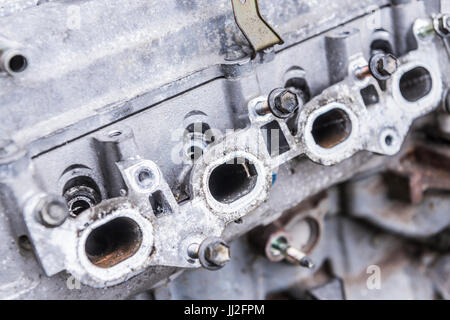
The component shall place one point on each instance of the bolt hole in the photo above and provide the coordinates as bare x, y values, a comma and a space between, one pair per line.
78, 207
24, 243
113, 242
145, 178
114, 133
331, 128
232, 180
389, 140
81, 193
17, 63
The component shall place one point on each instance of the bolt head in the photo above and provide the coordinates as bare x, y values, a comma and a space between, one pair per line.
444, 24
286, 102
387, 65
52, 211
441, 25
383, 66
218, 253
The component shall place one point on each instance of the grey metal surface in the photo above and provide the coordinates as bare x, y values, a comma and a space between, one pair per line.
109, 91
352, 248
180, 39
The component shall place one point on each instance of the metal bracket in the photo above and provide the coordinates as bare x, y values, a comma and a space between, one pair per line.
257, 31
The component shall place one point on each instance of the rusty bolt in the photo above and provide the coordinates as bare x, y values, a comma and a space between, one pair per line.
283, 102
286, 102
218, 254
424, 29
387, 65
52, 211
214, 253
363, 72
282, 245
383, 66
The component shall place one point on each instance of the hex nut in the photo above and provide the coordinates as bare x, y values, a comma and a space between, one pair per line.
214, 253
444, 24
383, 66
387, 65
52, 211
286, 102
283, 103
218, 254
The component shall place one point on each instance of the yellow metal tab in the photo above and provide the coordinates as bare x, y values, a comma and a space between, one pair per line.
257, 31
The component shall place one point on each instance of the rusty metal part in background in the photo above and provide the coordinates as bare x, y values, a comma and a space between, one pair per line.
257, 31
140, 155
423, 167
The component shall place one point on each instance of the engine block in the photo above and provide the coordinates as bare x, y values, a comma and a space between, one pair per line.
141, 138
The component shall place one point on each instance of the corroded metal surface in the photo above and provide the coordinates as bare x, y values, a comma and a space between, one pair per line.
147, 118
